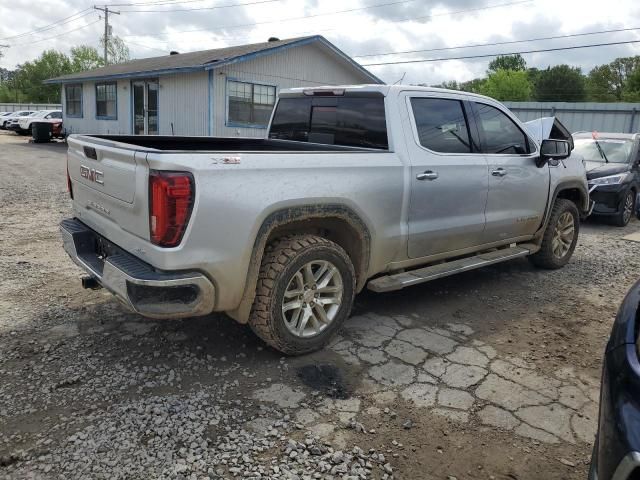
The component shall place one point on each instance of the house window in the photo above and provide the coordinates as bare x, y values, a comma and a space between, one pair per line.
73, 100
250, 104
106, 105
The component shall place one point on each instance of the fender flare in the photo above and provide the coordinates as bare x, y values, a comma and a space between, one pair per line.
293, 214
566, 185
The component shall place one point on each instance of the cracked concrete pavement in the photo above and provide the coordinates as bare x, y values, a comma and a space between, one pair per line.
449, 373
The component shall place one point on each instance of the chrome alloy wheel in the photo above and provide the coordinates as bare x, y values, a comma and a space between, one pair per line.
628, 208
312, 298
563, 235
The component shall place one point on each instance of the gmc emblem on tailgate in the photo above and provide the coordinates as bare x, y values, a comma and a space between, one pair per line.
92, 174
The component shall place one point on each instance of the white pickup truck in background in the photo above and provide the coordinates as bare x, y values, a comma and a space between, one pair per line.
385, 186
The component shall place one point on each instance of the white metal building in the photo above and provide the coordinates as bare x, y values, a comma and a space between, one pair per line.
223, 92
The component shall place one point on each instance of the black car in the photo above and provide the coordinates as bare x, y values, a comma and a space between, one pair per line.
613, 172
616, 455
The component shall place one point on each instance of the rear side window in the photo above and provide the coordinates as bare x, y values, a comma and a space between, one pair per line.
346, 121
441, 124
499, 133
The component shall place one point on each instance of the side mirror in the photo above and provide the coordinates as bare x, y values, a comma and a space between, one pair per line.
553, 150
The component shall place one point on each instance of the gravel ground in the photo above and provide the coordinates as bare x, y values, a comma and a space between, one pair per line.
492, 374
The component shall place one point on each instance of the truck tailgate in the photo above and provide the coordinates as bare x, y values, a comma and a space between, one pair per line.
110, 184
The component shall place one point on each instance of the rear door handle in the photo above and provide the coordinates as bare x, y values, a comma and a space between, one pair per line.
499, 172
427, 175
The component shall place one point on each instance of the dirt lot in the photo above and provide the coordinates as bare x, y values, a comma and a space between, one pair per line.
490, 375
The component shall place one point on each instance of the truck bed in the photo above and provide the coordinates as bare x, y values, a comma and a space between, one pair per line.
222, 144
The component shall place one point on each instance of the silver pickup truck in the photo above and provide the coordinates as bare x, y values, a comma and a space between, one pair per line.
377, 186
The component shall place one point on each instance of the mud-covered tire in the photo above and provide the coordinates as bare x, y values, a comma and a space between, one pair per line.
546, 257
282, 260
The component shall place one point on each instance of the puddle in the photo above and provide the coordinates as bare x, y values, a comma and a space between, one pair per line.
326, 379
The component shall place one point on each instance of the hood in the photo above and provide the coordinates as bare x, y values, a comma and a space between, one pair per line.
600, 169
540, 128
548, 127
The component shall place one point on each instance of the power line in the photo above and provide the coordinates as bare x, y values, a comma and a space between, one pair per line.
57, 36
215, 7
129, 42
225, 27
475, 45
62, 21
488, 55
150, 4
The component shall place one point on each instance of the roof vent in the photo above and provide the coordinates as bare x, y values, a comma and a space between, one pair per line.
174, 52
274, 39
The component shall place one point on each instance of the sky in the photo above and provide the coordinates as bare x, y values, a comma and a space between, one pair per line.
360, 28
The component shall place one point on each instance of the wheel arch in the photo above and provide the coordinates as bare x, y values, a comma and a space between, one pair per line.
335, 222
571, 190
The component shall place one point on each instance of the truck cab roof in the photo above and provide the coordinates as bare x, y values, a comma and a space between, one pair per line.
384, 90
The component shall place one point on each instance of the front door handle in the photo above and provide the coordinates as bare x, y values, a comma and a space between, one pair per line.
499, 172
428, 175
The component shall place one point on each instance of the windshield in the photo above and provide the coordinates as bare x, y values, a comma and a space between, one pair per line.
616, 150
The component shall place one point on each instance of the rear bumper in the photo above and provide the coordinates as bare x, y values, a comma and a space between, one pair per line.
147, 291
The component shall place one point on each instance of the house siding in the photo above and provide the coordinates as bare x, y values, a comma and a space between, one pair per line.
183, 101
88, 123
305, 66
195, 103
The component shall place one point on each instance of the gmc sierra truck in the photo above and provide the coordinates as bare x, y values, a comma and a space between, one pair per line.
378, 186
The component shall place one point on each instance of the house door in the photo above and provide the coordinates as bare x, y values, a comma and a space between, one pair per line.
145, 107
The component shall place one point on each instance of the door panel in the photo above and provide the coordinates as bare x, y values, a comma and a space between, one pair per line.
448, 186
145, 107
152, 108
518, 189
138, 108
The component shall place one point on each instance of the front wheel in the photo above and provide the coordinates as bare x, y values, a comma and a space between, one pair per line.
304, 293
627, 208
560, 237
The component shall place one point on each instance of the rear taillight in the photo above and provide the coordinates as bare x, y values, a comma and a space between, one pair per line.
171, 197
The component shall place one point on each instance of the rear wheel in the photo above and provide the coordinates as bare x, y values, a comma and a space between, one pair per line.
627, 208
560, 237
304, 293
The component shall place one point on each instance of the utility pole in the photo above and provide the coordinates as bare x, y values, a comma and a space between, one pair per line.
107, 29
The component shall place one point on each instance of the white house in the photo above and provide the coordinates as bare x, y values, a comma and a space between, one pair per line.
222, 92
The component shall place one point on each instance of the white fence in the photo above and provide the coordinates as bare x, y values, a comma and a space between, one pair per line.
16, 107
603, 117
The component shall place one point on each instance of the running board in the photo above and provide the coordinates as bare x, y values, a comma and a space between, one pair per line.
399, 281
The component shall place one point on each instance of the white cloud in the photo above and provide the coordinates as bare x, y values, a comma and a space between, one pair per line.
412, 25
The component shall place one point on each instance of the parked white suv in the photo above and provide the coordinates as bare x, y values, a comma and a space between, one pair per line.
9, 119
23, 124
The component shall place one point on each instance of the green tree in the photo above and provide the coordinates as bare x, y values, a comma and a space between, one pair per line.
632, 87
607, 83
506, 85
507, 62
84, 57
117, 50
30, 76
561, 83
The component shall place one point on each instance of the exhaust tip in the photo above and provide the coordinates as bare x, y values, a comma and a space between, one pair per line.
90, 282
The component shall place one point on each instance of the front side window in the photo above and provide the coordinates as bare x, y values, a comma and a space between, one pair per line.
73, 100
499, 133
441, 124
106, 100
250, 104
